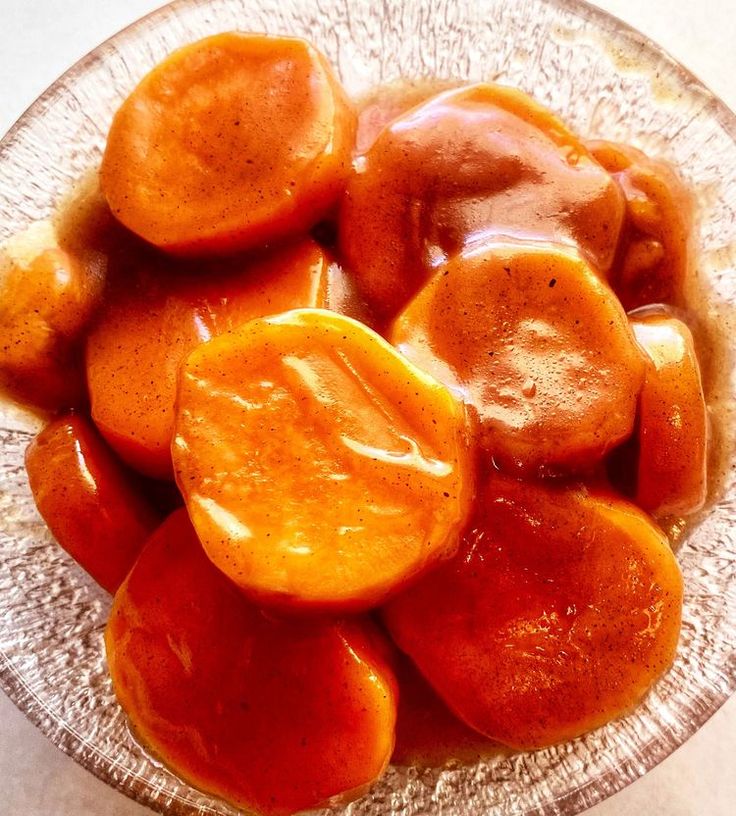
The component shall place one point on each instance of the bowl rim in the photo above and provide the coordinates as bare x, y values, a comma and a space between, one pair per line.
64, 736
583, 8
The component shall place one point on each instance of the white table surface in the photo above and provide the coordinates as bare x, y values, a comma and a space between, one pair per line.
38, 40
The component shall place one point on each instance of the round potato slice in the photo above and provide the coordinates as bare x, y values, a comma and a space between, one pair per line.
537, 344
655, 248
273, 716
47, 299
318, 466
673, 423
86, 497
557, 614
228, 143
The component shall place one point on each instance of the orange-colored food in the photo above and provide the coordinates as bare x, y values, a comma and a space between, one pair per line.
230, 142
160, 313
327, 469
537, 344
96, 513
558, 613
320, 468
470, 165
273, 716
653, 258
673, 423
46, 299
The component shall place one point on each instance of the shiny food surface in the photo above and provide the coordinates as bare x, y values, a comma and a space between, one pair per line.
95, 510
274, 716
561, 608
159, 311
655, 250
532, 339
468, 166
46, 301
319, 467
230, 142
673, 420
348, 407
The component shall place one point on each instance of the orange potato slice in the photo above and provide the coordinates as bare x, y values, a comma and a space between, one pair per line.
87, 499
559, 612
228, 143
537, 344
673, 423
273, 716
654, 253
149, 325
320, 468
46, 301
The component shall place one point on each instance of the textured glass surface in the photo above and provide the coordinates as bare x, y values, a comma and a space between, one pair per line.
607, 81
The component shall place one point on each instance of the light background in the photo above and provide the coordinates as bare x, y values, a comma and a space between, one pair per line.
39, 39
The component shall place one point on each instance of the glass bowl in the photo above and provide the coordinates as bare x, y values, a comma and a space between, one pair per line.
607, 81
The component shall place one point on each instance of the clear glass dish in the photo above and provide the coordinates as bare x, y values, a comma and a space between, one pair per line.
608, 81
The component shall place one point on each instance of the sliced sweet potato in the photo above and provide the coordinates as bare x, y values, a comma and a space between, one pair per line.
558, 613
470, 165
91, 505
46, 301
320, 468
654, 253
673, 423
228, 143
160, 313
272, 716
537, 344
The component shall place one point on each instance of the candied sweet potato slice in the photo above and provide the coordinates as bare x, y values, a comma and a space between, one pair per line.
273, 716
467, 166
160, 313
537, 344
46, 301
320, 468
673, 423
654, 252
91, 505
558, 613
228, 143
